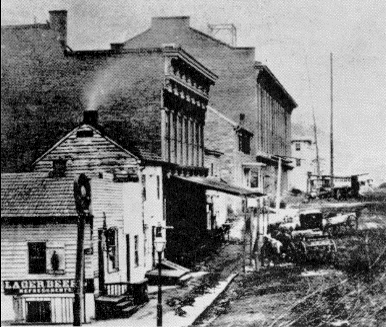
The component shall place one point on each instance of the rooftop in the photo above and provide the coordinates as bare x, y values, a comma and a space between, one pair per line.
36, 195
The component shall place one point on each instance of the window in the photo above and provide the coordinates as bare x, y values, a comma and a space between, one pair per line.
143, 180
211, 169
158, 188
180, 140
297, 146
167, 135
136, 248
247, 177
298, 162
187, 142
112, 249
172, 137
197, 148
59, 167
37, 258
244, 143
193, 142
254, 179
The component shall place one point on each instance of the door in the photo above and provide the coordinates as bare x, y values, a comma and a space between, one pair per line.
128, 256
38, 311
101, 265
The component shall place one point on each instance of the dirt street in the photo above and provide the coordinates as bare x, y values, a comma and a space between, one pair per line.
352, 291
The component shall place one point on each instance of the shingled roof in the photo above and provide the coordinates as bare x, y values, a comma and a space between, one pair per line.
36, 195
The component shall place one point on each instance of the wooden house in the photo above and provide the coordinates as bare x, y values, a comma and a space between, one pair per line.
38, 217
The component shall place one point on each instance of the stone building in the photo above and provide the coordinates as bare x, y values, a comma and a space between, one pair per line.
244, 86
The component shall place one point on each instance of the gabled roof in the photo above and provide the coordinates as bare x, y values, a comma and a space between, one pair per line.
185, 23
136, 152
36, 195
84, 127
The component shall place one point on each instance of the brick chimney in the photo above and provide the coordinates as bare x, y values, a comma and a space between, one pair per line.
58, 23
90, 117
174, 22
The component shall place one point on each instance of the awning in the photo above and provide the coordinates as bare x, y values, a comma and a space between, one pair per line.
217, 185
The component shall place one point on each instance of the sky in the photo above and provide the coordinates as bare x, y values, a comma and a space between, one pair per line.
293, 37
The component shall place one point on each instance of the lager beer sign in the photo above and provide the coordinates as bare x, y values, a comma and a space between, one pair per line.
44, 286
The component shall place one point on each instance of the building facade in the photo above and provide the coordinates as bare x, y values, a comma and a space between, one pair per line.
151, 102
39, 241
244, 86
303, 151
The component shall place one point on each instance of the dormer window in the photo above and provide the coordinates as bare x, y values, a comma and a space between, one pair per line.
244, 142
59, 167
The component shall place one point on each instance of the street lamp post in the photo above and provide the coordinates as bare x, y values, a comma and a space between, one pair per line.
159, 246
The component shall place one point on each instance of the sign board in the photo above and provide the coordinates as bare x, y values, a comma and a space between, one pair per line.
252, 202
44, 286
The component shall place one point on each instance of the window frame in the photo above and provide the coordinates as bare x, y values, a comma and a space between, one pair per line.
33, 267
115, 247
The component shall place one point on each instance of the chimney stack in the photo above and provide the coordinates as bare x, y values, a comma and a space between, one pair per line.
58, 23
90, 117
118, 47
242, 119
173, 22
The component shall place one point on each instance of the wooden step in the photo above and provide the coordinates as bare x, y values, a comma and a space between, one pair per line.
124, 304
111, 299
131, 309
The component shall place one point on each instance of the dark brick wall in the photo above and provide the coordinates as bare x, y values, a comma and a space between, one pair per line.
45, 92
225, 140
235, 90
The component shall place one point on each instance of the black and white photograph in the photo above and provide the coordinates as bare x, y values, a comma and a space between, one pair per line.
204, 163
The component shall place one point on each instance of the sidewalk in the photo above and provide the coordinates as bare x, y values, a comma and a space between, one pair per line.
147, 315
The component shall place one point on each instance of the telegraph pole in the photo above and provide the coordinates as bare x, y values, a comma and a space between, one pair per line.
332, 129
82, 195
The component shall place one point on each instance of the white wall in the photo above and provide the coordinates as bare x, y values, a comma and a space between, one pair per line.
14, 260
153, 209
298, 176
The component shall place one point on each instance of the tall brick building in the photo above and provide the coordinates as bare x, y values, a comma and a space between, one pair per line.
152, 102
244, 86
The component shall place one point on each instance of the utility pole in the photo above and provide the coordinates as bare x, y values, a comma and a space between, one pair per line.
79, 269
82, 195
314, 119
332, 129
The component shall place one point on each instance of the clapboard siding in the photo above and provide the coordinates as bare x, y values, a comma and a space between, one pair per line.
14, 249
95, 153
